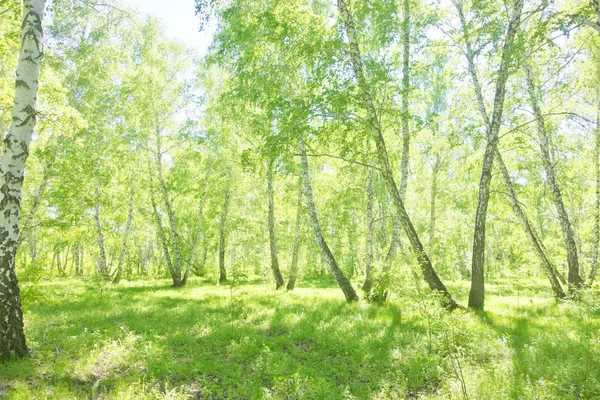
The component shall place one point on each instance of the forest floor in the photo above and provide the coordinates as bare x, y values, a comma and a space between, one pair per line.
148, 340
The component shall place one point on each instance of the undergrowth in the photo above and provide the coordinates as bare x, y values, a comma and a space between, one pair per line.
147, 340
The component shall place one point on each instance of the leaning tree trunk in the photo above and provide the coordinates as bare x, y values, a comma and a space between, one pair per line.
373, 123
176, 261
588, 21
12, 167
594, 266
223, 236
531, 235
477, 292
537, 244
294, 266
574, 278
119, 270
368, 284
279, 283
341, 279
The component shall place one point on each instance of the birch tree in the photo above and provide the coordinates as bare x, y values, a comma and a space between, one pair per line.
12, 167
477, 292
374, 126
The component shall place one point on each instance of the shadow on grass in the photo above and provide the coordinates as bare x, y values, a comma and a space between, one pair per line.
552, 346
249, 341
244, 346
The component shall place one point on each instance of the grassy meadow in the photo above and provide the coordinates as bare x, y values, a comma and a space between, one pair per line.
145, 339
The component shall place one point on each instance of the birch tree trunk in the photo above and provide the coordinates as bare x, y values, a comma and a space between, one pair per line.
160, 230
405, 94
536, 241
198, 225
76, 259
223, 236
531, 235
294, 266
176, 259
374, 126
102, 264
573, 277
12, 166
368, 284
41, 189
119, 270
594, 266
405, 122
432, 204
279, 283
33, 244
589, 22
477, 292
341, 279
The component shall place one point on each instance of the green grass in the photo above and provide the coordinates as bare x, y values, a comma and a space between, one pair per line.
146, 340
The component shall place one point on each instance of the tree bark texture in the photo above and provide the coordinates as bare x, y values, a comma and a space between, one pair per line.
296, 250
12, 168
279, 283
223, 236
573, 277
477, 292
341, 279
374, 127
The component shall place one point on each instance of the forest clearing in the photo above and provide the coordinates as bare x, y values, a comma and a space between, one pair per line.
299, 199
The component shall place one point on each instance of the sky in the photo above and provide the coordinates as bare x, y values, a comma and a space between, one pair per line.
178, 19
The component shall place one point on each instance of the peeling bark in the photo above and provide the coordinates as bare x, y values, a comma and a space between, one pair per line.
12, 167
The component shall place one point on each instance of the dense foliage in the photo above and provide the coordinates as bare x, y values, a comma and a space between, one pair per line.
381, 143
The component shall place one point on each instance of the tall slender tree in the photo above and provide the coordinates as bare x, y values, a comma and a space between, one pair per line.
336, 271
223, 235
296, 250
547, 266
279, 283
574, 277
374, 126
12, 168
477, 292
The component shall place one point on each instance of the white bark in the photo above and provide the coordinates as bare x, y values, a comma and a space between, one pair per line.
12, 167
375, 128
